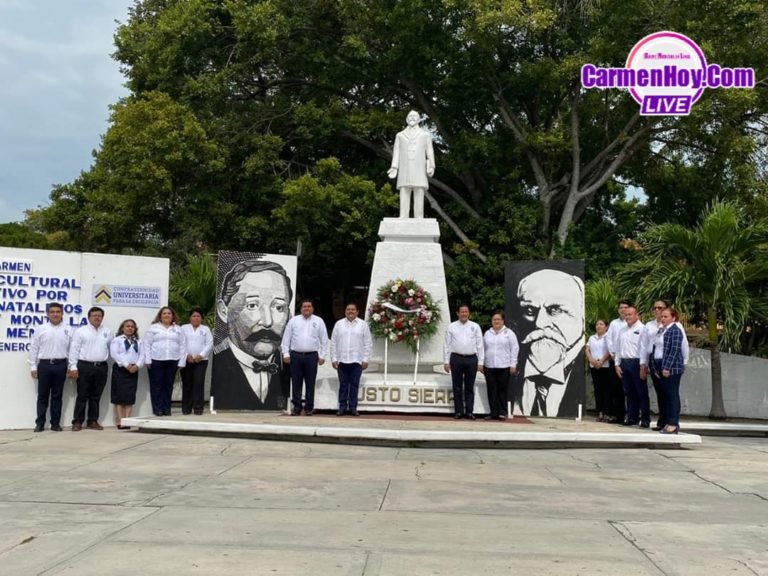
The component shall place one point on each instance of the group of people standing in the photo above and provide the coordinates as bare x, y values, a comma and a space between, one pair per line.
304, 345
467, 351
624, 353
621, 356
58, 352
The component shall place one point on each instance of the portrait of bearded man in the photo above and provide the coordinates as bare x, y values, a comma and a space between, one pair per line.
546, 308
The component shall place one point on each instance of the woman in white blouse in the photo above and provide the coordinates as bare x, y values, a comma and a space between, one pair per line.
127, 351
600, 368
199, 342
501, 351
164, 353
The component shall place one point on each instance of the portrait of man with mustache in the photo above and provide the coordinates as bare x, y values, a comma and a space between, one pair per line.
547, 312
253, 307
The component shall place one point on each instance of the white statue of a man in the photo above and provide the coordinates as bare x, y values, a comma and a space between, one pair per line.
413, 161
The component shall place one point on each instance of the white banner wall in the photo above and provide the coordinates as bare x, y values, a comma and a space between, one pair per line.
30, 279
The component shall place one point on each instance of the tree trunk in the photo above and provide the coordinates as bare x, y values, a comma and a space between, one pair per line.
717, 409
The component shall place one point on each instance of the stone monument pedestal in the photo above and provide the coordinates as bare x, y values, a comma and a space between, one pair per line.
432, 391
410, 250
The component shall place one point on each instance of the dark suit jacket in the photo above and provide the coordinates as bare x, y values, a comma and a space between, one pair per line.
673, 350
575, 387
231, 390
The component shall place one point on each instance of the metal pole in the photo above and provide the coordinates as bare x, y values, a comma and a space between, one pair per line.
416, 366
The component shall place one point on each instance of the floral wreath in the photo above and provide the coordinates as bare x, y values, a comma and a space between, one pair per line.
403, 312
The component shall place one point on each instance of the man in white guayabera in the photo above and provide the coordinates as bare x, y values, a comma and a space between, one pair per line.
413, 161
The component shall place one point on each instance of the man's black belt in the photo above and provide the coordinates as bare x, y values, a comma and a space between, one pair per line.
88, 363
465, 355
303, 353
51, 360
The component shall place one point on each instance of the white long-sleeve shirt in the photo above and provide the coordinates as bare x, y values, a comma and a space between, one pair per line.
351, 342
628, 342
305, 335
125, 357
50, 342
598, 347
165, 343
89, 344
650, 340
501, 348
199, 341
612, 335
465, 338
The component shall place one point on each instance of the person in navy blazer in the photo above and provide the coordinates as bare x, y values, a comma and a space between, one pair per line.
670, 367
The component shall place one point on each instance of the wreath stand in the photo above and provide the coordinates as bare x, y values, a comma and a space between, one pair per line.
386, 344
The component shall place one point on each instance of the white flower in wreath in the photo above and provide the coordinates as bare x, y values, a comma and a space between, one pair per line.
376, 317
411, 292
393, 336
395, 287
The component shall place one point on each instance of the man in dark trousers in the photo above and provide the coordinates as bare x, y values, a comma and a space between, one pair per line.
464, 357
305, 344
48, 363
88, 356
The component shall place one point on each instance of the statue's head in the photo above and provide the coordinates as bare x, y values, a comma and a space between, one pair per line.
413, 118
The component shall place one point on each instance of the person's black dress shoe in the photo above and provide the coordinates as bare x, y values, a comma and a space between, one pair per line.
199, 412
645, 425
457, 416
39, 428
340, 413
471, 417
628, 423
354, 413
657, 428
185, 412
57, 428
309, 412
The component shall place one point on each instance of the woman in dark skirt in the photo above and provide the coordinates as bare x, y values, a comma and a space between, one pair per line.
128, 353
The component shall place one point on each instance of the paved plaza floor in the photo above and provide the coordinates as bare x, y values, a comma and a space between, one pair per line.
127, 503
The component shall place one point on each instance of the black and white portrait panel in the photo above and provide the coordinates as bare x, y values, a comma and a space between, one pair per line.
254, 299
544, 303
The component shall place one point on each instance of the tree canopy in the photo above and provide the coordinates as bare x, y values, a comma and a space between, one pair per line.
252, 125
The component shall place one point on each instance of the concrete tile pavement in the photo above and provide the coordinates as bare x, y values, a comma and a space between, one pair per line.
120, 503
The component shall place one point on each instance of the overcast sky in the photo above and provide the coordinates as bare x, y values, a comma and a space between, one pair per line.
57, 81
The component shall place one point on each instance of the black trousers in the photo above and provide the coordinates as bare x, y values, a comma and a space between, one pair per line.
463, 373
51, 375
91, 379
654, 371
162, 373
193, 387
616, 394
636, 391
303, 372
604, 397
497, 380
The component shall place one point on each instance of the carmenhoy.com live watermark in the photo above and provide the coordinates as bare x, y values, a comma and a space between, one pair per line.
666, 73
